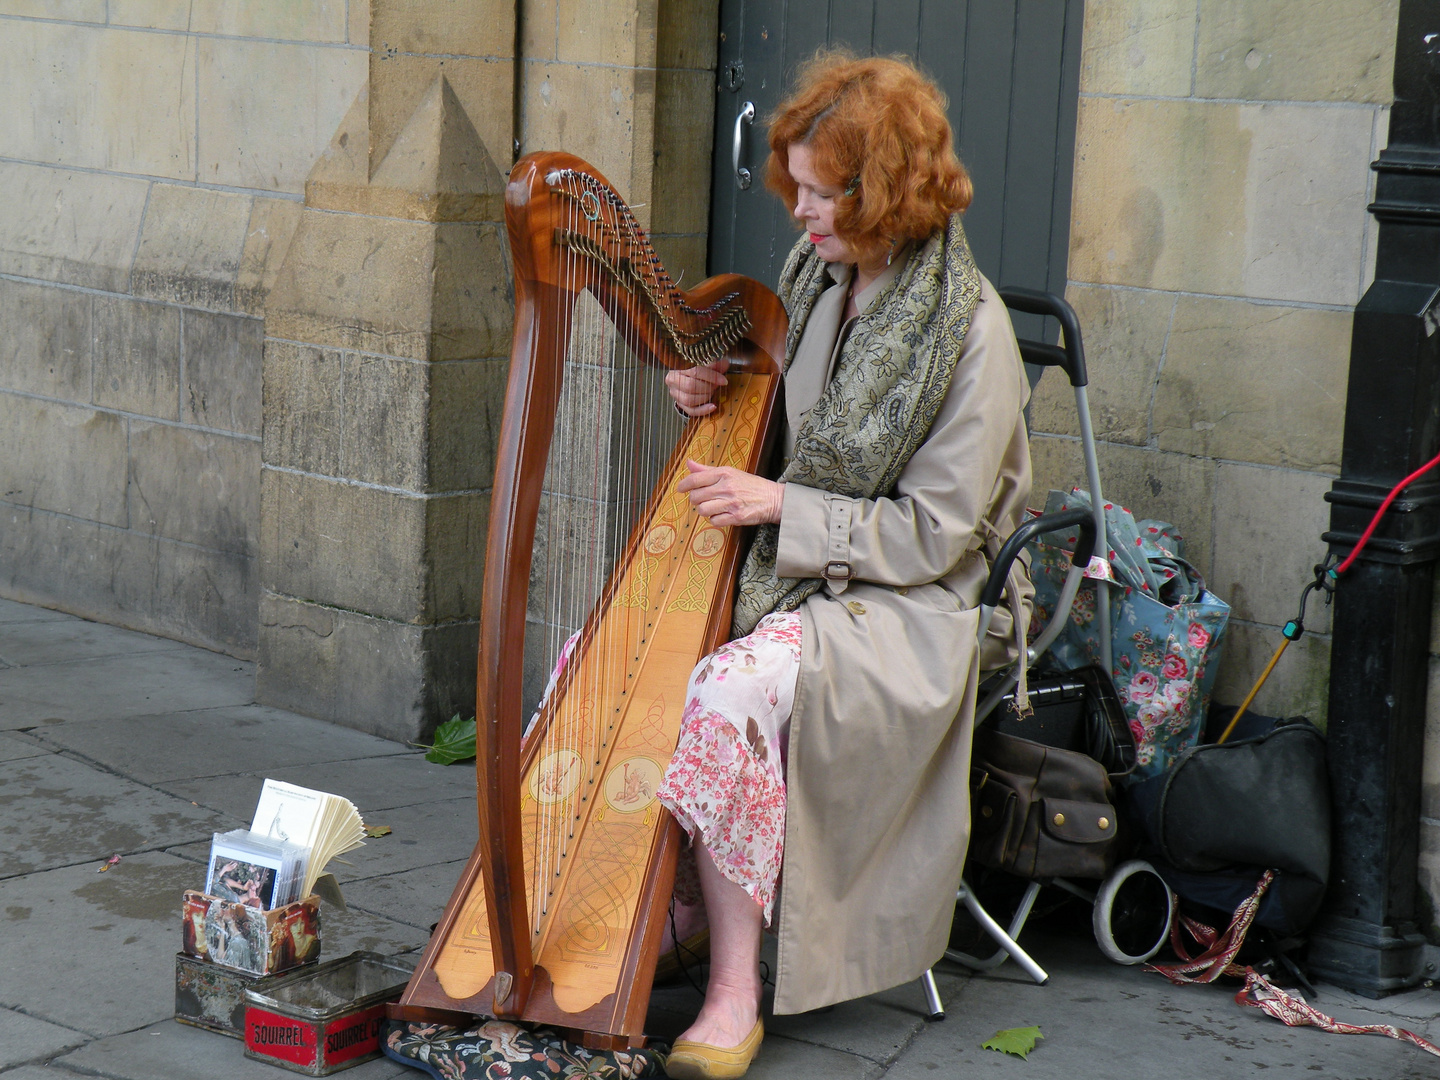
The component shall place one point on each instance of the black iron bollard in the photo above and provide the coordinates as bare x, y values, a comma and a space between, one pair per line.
1366, 938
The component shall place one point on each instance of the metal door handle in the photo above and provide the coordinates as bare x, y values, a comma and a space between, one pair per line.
747, 116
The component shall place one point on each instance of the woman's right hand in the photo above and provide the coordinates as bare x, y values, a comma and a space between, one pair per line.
693, 389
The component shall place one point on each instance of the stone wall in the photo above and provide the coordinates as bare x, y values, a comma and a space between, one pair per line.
151, 165
1219, 242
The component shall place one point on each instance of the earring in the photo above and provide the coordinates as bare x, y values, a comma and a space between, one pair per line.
853, 186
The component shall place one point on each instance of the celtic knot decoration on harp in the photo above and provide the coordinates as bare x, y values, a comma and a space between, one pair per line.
602, 588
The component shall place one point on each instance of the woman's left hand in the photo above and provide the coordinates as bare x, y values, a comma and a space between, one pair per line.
730, 496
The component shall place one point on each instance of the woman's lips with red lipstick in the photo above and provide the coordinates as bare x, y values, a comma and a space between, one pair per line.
817, 238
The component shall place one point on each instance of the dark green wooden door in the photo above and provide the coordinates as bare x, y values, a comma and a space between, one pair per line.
1011, 71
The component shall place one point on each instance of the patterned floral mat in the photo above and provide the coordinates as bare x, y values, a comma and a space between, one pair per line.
500, 1050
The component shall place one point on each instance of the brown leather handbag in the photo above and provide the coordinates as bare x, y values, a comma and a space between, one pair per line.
1042, 811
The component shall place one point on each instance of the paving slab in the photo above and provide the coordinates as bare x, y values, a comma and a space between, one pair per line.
159, 747
397, 778
12, 611
58, 641
173, 1051
55, 811
24, 1038
1138, 1024
420, 836
117, 687
15, 745
106, 943
417, 897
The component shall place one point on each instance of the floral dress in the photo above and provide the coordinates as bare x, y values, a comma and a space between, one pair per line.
726, 783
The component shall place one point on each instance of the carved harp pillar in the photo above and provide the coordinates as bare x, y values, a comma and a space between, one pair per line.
594, 557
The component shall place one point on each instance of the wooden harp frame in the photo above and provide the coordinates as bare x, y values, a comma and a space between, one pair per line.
727, 315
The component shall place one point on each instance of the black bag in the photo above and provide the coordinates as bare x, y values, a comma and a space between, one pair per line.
1226, 812
1049, 811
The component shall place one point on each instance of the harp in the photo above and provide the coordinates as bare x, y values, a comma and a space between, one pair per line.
557, 918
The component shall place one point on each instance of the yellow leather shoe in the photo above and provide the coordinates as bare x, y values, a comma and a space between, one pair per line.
701, 1061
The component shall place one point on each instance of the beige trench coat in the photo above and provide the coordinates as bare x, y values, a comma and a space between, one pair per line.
878, 806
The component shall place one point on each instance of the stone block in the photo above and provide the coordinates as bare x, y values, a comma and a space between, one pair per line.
267, 239
467, 400
1430, 766
284, 20
474, 302
1150, 484
46, 345
267, 109
684, 107
99, 97
392, 679
384, 435
137, 356
540, 37
151, 14
65, 458
68, 10
195, 486
303, 407
1124, 332
203, 597
1322, 50
358, 28
683, 255
356, 283
1223, 198
484, 86
436, 169
591, 111
1138, 47
442, 27
190, 246
1299, 685
1429, 877
74, 227
344, 545
688, 35
1267, 539
621, 34
454, 555
222, 371
1252, 382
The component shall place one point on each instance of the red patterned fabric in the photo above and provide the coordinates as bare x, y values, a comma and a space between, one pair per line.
1218, 959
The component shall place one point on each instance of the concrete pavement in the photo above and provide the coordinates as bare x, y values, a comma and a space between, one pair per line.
116, 742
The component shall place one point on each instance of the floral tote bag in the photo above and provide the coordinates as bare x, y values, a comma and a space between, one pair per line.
1165, 627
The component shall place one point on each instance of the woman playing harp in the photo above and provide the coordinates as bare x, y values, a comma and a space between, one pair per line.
831, 737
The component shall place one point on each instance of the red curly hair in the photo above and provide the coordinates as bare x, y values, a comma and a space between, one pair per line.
876, 129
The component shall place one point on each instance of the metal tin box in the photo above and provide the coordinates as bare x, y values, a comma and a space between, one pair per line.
213, 997
327, 1017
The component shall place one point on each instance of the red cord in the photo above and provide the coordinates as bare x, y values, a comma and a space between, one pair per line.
1374, 521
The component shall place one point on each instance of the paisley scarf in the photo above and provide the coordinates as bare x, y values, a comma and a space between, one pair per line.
890, 379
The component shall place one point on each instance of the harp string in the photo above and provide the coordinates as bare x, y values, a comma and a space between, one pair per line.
614, 432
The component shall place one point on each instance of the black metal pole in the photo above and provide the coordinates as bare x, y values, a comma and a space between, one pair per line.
1366, 938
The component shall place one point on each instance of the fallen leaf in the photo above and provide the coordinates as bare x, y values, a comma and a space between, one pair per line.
108, 863
1017, 1041
377, 830
454, 741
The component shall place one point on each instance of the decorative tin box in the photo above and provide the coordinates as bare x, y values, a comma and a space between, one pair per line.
324, 1018
249, 938
212, 996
